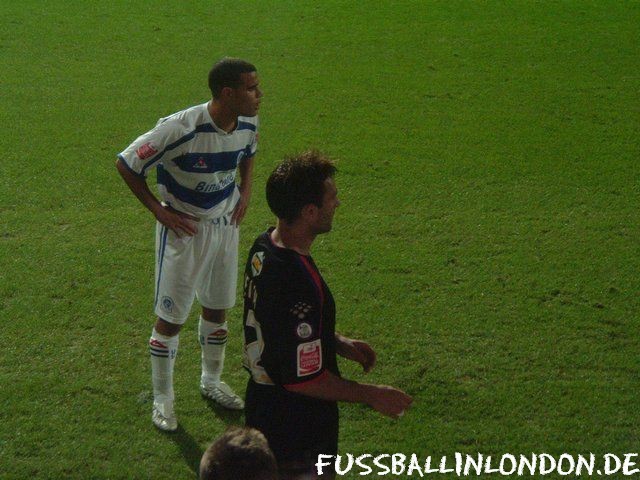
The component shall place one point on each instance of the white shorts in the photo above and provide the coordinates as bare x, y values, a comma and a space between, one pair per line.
205, 265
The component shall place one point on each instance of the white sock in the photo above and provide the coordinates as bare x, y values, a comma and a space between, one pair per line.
163, 352
213, 340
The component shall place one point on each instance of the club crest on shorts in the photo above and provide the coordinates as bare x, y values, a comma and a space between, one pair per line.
309, 358
166, 304
256, 263
304, 330
145, 151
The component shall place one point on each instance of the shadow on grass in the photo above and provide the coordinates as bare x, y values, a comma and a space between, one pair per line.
189, 448
229, 417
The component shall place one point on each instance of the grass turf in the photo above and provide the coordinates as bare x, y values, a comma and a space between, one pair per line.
486, 245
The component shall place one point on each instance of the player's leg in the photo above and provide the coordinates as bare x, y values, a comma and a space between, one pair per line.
303, 465
163, 348
297, 431
216, 292
212, 332
174, 297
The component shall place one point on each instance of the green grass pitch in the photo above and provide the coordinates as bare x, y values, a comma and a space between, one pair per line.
486, 246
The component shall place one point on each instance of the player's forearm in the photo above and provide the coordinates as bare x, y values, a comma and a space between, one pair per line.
331, 387
342, 346
139, 187
245, 169
382, 398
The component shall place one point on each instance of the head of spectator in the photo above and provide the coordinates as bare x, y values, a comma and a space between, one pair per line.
240, 453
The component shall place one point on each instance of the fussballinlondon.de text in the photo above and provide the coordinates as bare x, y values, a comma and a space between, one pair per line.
462, 465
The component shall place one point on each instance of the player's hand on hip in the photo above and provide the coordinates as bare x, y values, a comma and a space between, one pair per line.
389, 401
180, 223
240, 210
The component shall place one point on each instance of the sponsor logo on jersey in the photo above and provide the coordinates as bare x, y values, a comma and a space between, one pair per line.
300, 310
216, 186
145, 151
304, 330
256, 263
166, 304
309, 358
201, 163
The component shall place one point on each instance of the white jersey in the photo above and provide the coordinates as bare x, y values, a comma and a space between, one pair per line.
195, 160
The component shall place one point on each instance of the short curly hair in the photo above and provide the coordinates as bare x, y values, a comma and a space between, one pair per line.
298, 181
226, 73
239, 453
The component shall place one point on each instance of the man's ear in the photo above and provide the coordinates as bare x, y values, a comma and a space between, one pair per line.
309, 212
227, 92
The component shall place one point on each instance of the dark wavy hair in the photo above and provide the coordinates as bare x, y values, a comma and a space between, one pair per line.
298, 181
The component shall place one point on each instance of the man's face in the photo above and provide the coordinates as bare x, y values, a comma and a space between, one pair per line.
246, 98
330, 202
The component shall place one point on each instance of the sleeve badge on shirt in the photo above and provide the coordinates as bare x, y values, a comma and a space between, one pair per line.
304, 330
145, 151
256, 263
309, 358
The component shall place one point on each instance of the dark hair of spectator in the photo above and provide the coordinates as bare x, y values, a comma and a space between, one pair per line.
240, 453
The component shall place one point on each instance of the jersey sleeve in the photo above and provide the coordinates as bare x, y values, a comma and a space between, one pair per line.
290, 315
148, 149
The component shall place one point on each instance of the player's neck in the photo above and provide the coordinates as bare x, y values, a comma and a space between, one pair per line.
293, 237
224, 118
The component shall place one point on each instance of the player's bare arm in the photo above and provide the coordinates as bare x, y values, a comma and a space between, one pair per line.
246, 178
179, 222
356, 350
387, 400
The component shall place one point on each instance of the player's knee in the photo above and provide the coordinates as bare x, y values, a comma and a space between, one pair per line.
167, 329
215, 316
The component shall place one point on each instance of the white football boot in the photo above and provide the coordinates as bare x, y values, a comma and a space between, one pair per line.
164, 418
222, 394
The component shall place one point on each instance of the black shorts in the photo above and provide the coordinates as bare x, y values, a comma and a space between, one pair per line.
298, 428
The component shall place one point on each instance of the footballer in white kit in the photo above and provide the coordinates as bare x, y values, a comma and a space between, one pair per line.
196, 153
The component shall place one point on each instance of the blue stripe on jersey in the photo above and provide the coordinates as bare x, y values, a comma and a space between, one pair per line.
209, 162
163, 244
246, 126
203, 200
204, 128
